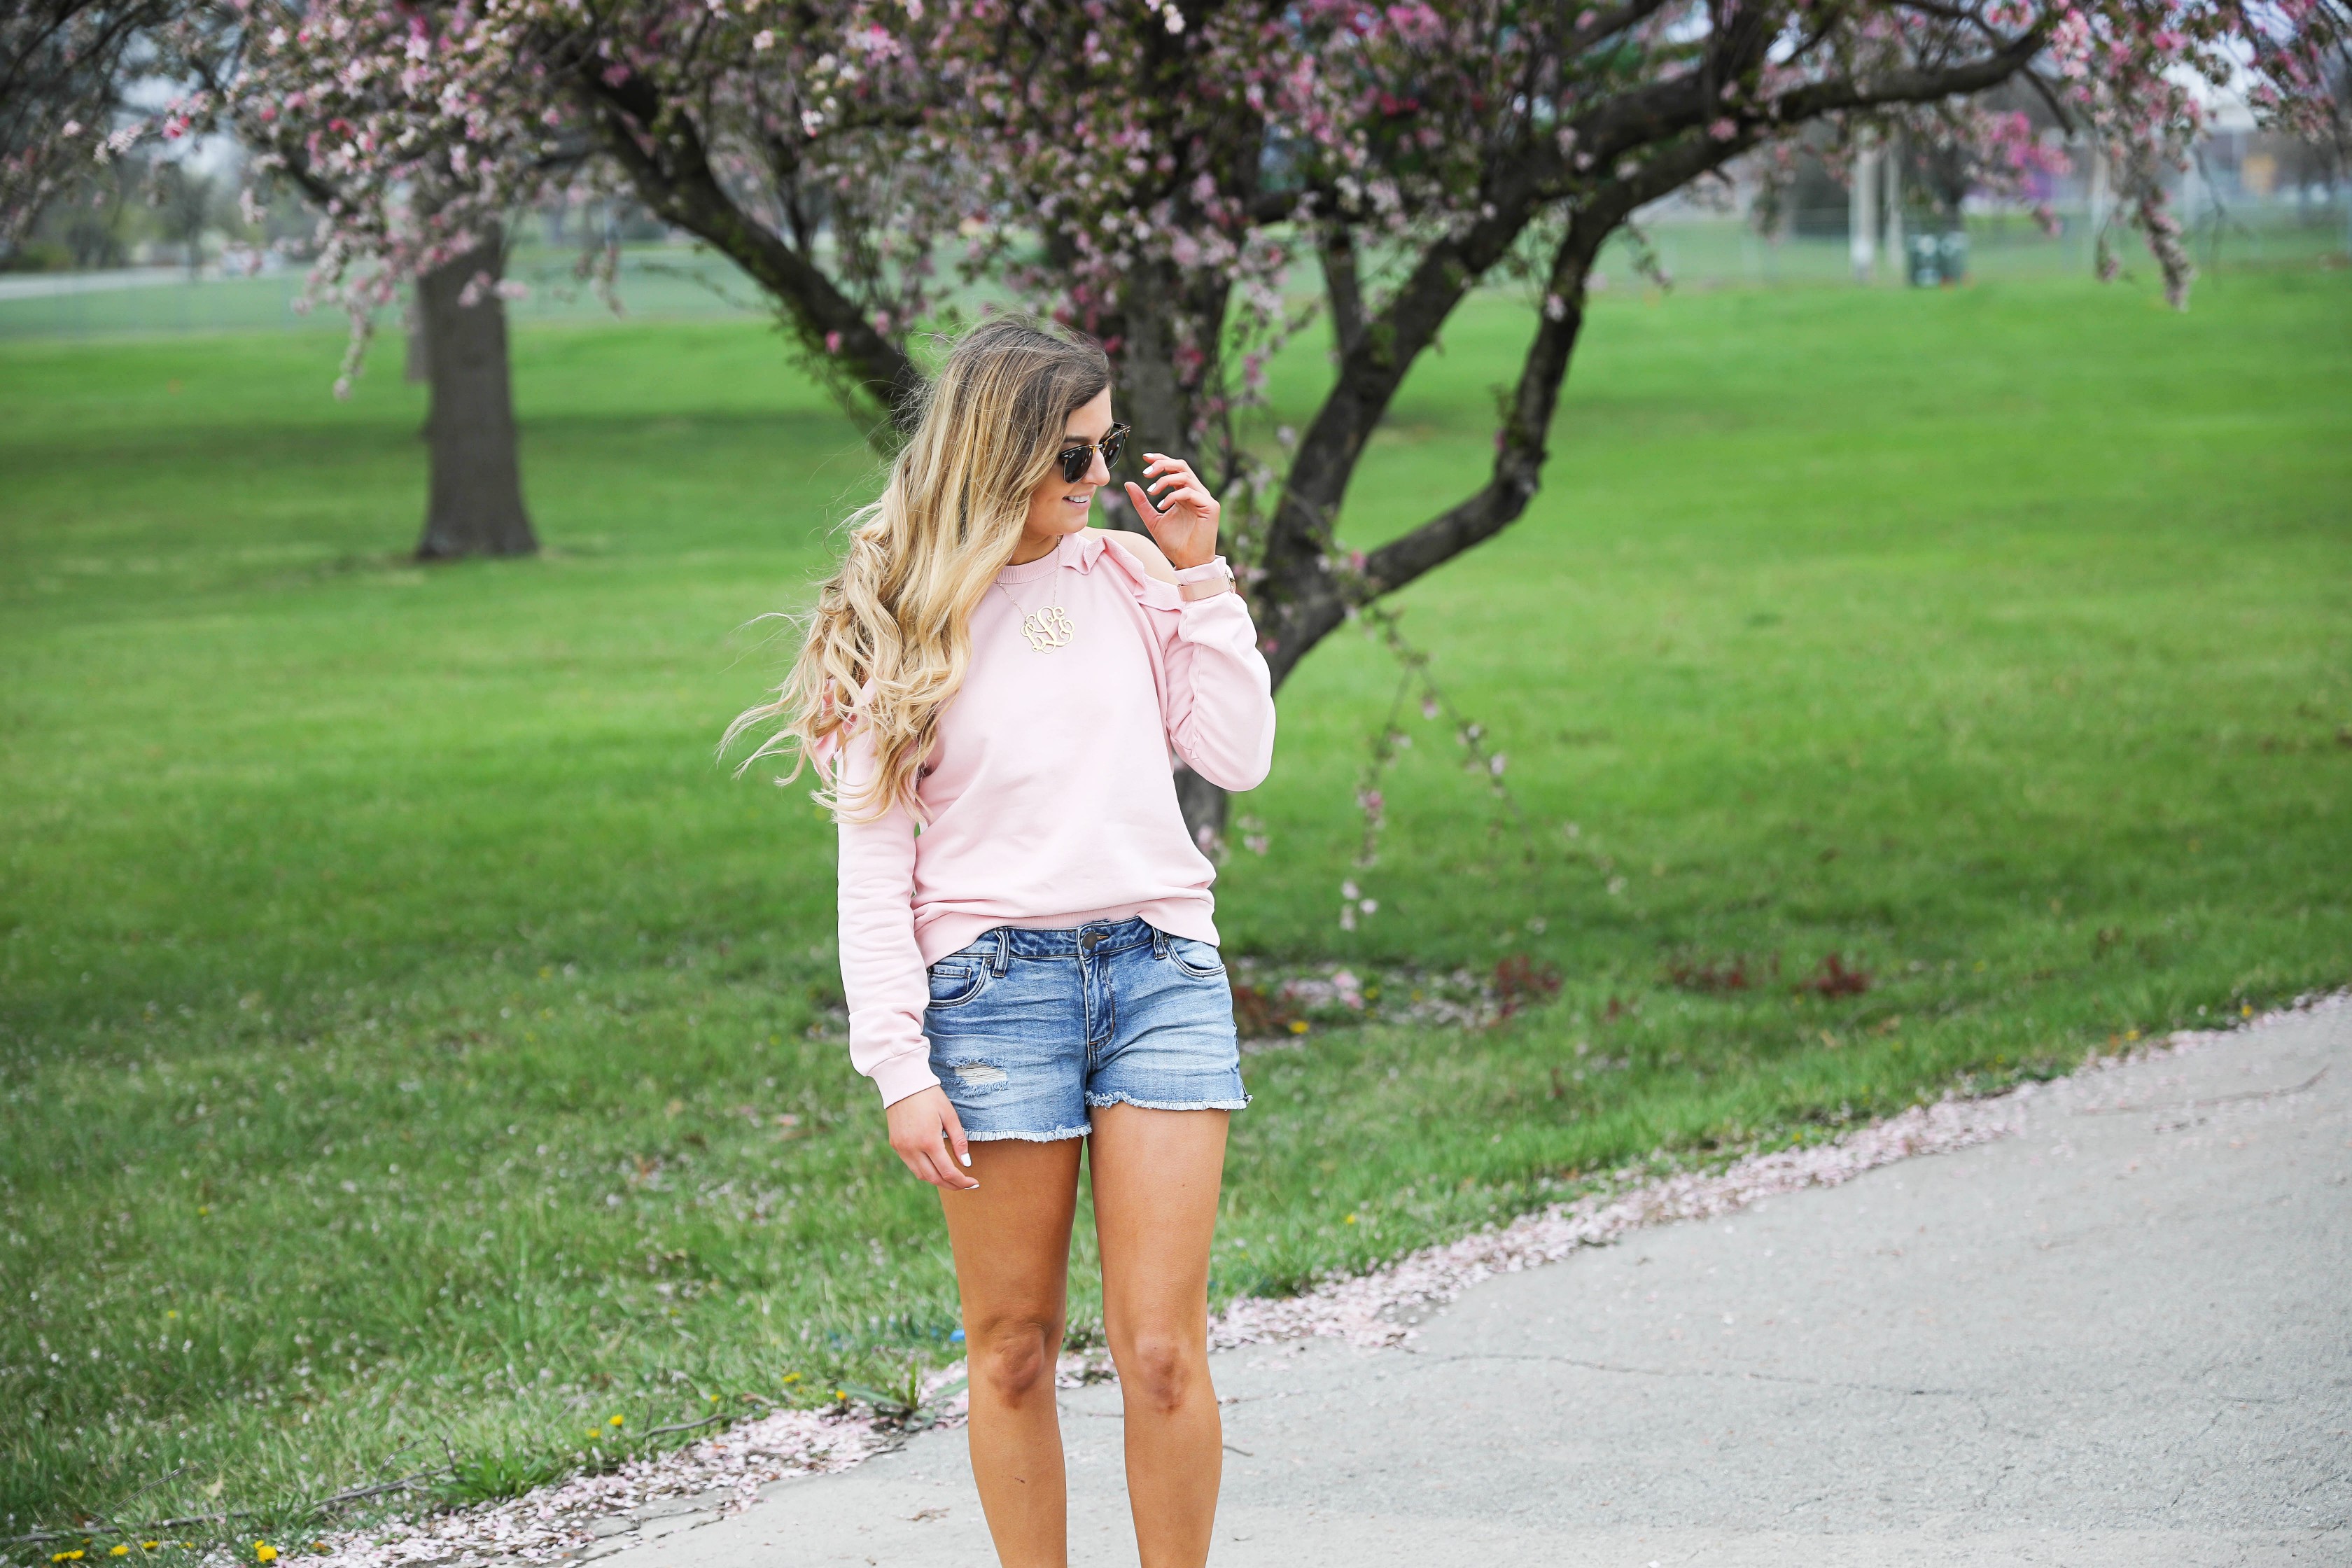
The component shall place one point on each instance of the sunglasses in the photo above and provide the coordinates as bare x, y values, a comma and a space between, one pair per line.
1076, 460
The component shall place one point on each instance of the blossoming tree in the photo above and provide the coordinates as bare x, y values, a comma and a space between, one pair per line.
299, 122
1161, 171
67, 71
65, 68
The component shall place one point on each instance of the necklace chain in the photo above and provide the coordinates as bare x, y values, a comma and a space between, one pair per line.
1048, 628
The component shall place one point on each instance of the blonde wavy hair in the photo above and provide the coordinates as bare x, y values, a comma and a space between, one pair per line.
890, 637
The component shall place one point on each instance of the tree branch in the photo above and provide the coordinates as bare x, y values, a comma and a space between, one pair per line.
1521, 181
1307, 598
1343, 287
1914, 86
662, 152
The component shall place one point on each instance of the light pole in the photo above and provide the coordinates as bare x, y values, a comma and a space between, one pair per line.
1897, 257
1861, 213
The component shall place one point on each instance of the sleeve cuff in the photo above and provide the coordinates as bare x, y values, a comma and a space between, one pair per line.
1211, 569
898, 1076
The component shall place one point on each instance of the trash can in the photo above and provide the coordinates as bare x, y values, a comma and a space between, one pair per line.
1938, 258
1926, 261
1955, 259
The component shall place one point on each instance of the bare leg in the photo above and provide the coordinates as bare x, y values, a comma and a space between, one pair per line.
1156, 1174
1012, 1241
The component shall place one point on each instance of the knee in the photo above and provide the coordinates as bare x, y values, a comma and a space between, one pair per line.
1013, 1358
1160, 1373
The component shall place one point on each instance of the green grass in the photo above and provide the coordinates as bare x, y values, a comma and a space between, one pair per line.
397, 1006
657, 281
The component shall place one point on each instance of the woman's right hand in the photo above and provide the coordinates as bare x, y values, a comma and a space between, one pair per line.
928, 1136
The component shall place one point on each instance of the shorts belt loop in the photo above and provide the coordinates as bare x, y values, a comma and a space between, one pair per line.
1158, 942
1003, 952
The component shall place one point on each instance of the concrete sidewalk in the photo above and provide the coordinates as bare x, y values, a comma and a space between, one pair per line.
2123, 1338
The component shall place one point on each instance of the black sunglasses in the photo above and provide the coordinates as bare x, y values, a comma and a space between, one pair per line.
1076, 460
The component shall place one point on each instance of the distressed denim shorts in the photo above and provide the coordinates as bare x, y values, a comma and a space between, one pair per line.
1031, 1030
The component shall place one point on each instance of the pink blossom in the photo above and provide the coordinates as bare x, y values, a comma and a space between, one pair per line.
1143, 159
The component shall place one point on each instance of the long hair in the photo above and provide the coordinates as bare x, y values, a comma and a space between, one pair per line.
890, 637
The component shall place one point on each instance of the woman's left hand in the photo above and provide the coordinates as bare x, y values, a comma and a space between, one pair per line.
1187, 530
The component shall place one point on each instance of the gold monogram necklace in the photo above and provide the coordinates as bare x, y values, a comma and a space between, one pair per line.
1048, 628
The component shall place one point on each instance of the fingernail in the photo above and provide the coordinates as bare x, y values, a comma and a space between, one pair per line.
967, 1157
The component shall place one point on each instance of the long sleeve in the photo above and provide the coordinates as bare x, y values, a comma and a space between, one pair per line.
882, 970
1220, 698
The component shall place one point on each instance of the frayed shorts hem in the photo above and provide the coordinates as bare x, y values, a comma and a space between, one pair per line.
1096, 1101
1053, 1135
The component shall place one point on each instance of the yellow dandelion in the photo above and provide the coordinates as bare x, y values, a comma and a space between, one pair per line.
148, 1545
1351, 1219
615, 1422
264, 1553
792, 1377
118, 1550
1298, 1025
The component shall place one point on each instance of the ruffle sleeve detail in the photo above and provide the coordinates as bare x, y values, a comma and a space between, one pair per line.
1148, 590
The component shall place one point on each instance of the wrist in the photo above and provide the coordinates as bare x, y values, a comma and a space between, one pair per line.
903, 1076
1204, 581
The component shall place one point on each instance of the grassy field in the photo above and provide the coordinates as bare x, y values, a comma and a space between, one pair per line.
664, 282
407, 1033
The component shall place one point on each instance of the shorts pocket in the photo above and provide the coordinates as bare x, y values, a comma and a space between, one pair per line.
1197, 959
956, 981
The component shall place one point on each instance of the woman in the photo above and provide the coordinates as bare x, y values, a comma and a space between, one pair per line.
1038, 964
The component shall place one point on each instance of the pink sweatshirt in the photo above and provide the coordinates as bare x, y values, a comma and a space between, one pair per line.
1050, 795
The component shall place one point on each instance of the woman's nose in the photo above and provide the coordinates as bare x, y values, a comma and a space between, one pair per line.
1098, 472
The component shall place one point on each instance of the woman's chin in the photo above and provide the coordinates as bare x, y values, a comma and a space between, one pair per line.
1063, 519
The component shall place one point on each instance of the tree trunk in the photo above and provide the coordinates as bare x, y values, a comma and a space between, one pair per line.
1151, 394
1203, 804
475, 506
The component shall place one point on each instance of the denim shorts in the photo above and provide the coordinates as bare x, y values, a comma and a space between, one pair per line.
1031, 1030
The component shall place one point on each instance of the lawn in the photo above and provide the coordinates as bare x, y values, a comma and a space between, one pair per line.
409, 1034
